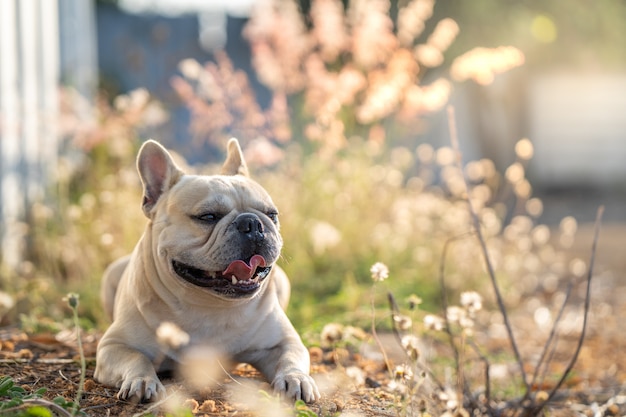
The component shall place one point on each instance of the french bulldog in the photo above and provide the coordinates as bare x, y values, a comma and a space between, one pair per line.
205, 262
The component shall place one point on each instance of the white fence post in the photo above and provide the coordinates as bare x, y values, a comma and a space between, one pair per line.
29, 74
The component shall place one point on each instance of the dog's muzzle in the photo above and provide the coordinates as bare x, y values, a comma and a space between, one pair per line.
241, 278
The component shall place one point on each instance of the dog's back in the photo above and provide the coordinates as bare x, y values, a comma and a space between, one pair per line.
110, 280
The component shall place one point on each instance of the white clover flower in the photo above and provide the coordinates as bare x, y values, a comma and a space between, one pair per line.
332, 333
455, 314
324, 236
466, 323
403, 373
433, 322
356, 375
403, 322
398, 387
410, 343
414, 301
471, 301
379, 272
171, 336
354, 333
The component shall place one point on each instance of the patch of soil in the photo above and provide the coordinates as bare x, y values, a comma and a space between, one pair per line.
52, 362
353, 383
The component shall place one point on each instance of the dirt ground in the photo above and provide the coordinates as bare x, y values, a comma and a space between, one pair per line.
36, 361
356, 382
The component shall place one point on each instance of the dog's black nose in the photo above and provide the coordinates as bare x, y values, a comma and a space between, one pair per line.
250, 226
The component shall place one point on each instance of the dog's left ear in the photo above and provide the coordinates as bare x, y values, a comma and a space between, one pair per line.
158, 173
234, 164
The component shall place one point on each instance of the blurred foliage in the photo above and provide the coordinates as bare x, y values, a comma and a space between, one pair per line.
551, 33
579, 33
330, 151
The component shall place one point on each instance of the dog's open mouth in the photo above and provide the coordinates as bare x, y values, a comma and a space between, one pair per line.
240, 278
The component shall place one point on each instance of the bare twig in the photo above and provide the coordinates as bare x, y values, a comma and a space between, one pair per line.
444, 306
47, 361
492, 275
395, 311
375, 335
548, 361
444, 302
535, 410
550, 340
487, 364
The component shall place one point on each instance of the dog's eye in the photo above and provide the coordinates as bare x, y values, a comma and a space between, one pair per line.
273, 216
209, 217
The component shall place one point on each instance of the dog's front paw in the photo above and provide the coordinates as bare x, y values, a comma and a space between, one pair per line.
297, 386
141, 389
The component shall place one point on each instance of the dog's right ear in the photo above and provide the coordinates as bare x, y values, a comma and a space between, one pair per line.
234, 164
158, 173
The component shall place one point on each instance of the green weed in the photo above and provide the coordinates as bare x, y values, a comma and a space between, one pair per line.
15, 401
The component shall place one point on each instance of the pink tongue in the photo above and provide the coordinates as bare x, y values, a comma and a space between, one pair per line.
242, 270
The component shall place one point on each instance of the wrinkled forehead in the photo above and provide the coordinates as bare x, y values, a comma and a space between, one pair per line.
226, 192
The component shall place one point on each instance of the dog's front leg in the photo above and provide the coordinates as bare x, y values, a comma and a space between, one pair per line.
287, 366
129, 370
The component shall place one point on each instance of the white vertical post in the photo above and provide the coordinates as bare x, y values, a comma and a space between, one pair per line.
49, 81
29, 74
11, 205
29, 49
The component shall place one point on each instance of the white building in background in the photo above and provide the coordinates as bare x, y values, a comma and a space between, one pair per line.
42, 43
578, 126
211, 15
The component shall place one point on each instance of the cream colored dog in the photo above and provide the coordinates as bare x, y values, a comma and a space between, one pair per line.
205, 263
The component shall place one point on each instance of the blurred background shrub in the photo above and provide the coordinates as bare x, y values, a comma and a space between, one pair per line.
350, 88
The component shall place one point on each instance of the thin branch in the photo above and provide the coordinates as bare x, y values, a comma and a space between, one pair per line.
376, 338
492, 275
51, 361
485, 360
548, 343
395, 311
444, 304
544, 373
583, 331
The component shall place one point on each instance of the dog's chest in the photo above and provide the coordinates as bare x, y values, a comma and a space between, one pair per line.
231, 332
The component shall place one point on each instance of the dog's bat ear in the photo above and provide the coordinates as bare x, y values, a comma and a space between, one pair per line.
158, 173
234, 164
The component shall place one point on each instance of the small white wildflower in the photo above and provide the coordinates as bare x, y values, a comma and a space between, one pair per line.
379, 272
202, 367
414, 301
403, 373
356, 375
403, 322
398, 387
332, 333
354, 333
171, 336
466, 323
410, 343
433, 322
324, 236
455, 314
471, 301
449, 398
